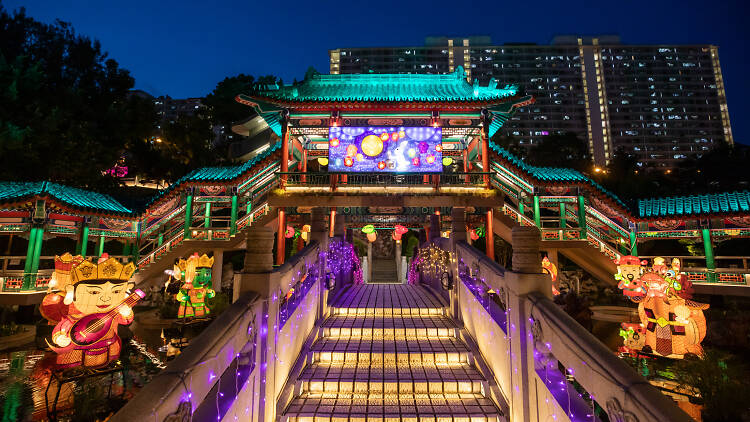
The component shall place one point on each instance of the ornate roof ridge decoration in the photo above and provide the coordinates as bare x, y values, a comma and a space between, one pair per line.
80, 199
381, 87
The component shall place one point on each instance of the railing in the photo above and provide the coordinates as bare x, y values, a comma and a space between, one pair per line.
12, 274
541, 339
339, 179
731, 270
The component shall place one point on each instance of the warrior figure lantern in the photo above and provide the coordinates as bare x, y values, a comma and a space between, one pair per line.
672, 324
86, 303
195, 273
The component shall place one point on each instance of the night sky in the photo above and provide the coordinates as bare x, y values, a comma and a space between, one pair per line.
183, 48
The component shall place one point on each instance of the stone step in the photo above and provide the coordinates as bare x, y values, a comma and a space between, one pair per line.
354, 407
417, 326
443, 350
417, 378
375, 311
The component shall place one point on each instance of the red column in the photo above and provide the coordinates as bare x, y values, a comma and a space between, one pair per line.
489, 236
304, 164
280, 238
331, 222
486, 158
284, 150
466, 164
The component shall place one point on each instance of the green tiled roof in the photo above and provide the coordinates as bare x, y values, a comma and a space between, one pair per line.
713, 203
78, 198
389, 87
553, 174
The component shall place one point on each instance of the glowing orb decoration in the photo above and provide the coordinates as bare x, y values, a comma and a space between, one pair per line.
473, 234
289, 232
392, 149
306, 228
371, 237
351, 150
368, 229
447, 161
400, 229
323, 161
372, 145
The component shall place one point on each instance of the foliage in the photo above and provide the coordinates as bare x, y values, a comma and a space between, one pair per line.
224, 110
65, 112
721, 380
9, 329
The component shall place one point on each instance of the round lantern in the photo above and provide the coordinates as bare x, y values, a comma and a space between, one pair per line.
368, 229
289, 232
400, 229
372, 236
323, 161
473, 234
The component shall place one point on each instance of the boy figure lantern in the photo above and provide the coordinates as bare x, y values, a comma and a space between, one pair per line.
673, 325
94, 302
196, 273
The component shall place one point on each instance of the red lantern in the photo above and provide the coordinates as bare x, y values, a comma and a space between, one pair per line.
289, 232
381, 165
348, 161
399, 229
473, 234
334, 142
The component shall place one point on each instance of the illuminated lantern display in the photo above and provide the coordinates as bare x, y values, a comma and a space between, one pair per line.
473, 234
633, 338
323, 161
401, 230
305, 232
195, 272
673, 325
368, 229
447, 161
371, 237
289, 232
91, 302
550, 268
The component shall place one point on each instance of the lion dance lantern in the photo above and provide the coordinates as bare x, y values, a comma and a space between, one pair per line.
86, 303
672, 325
195, 272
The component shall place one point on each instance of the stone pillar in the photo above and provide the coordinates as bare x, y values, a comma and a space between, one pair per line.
339, 227
217, 269
526, 277
552, 256
319, 233
258, 262
435, 225
458, 224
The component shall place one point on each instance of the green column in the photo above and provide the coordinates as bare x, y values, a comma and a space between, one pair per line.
207, 216
84, 239
562, 215
29, 258
537, 216
582, 215
233, 217
188, 215
101, 245
633, 244
709, 251
136, 251
160, 240
126, 248
35, 257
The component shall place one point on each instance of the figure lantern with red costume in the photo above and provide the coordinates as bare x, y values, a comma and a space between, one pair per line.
91, 301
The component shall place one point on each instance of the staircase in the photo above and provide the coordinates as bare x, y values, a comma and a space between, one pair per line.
384, 271
390, 353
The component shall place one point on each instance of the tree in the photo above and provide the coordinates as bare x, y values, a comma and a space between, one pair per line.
561, 150
224, 110
65, 112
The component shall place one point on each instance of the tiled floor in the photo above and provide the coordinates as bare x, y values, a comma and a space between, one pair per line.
389, 353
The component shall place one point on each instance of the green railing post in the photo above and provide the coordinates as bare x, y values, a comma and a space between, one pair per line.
582, 215
207, 216
36, 255
233, 217
563, 218
709, 251
101, 245
29, 258
84, 239
537, 216
188, 215
137, 242
633, 244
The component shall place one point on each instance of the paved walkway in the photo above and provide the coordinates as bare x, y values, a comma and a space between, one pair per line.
389, 353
